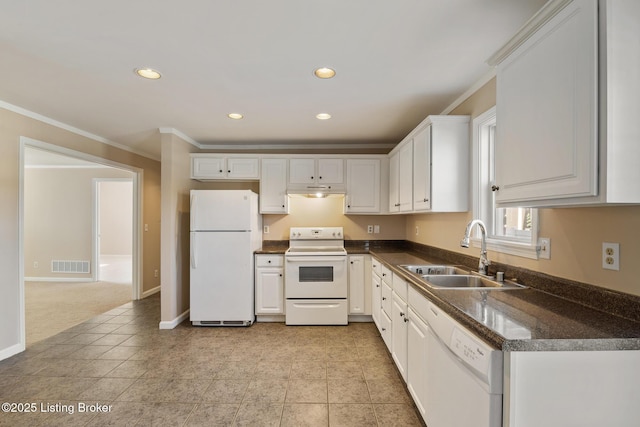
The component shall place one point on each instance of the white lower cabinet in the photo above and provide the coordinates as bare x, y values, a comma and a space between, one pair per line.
417, 359
357, 286
376, 293
269, 284
385, 328
399, 334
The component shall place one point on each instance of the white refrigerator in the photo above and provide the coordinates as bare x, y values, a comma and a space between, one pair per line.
225, 231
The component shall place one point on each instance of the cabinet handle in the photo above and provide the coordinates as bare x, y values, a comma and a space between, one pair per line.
425, 200
397, 204
495, 188
401, 314
384, 329
405, 320
384, 298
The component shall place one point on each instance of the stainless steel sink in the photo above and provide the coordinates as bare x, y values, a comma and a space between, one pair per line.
466, 281
433, 269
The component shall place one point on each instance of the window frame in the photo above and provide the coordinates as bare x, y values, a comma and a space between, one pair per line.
483, 202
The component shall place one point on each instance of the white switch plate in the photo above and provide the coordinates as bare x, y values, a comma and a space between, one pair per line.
376, 229
544, 243
611, 256
265, 229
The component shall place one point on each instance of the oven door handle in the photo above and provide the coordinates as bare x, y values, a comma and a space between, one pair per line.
315, 259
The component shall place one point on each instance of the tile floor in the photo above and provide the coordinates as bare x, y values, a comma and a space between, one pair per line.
268, 374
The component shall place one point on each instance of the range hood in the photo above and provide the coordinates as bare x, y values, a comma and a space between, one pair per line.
316, 191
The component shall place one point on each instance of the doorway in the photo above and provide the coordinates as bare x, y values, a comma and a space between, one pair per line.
58, 229
113, 210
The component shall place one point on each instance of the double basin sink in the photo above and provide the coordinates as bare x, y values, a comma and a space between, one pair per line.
453, 277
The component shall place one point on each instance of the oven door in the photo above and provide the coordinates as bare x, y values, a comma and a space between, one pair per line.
316, 276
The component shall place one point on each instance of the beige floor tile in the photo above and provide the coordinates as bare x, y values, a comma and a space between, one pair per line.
351, 415
305, 415
226, 391
389, 414
388, 391
218, 414
348, 391
307, 391
344, 370
266, 390
262, 414
311, 370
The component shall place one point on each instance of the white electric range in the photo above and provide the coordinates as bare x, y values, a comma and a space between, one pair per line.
316, 277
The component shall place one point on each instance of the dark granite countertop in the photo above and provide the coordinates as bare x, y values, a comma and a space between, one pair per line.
522, 319
546, 316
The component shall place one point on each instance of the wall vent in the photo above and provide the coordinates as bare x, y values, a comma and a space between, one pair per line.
64, 266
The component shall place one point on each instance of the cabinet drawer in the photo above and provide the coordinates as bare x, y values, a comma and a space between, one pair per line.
376, 266
269, 260
386, 299
400, 287
387, 276
419, 303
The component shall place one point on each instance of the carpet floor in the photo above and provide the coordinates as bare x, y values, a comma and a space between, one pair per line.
52, 307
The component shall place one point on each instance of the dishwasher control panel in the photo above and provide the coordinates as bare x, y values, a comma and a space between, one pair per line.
472, 352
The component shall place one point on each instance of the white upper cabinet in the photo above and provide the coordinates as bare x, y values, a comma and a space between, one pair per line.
363, 186
207, 167
567, 128
401, 178
312, 172
273, 186
441, 165
429, 170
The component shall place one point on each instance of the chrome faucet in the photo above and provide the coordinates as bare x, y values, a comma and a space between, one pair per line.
484, 261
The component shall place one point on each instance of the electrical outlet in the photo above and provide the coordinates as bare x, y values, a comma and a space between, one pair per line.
376, 229
35, 264
369, 229
544, 248
155, 273
265, 229
416, 230
611, 256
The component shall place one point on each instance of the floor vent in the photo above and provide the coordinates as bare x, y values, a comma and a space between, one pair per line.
60, 266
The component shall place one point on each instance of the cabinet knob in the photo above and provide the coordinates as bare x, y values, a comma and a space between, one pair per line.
269, 261
280, 274
377, 286
495, 188
319, 177
384, 298
220, 170
351, 262
405, 320
401, 314
348, 206
311, 177
425, 200
384, 329
283, 206
228, 171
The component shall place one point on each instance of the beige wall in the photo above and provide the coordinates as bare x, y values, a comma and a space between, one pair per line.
576, 233
58, 217
12, 127
328, 212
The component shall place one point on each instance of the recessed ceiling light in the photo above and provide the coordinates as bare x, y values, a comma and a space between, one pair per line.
235, 116
148, 73
324, 72
323, 116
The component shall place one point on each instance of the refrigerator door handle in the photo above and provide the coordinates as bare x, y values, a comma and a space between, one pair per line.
194, 265
192, 202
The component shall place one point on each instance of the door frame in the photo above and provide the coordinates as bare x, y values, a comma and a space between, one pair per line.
138, 179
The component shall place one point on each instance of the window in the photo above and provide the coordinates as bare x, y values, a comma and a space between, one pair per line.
509, 230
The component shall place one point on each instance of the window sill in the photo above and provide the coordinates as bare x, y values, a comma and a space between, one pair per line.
510, 248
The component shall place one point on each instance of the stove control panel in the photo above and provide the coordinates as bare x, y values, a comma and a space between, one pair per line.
316, 233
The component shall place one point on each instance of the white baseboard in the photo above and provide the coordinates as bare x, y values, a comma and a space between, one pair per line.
170, 324
11, 351
264, 318
150, 292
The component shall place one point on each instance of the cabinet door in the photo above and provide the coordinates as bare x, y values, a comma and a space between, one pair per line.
394, 186
405, 178
269, 291
547, 91
363, 186
416, 360
385, 329
376, 298
242, 168
302, 171
422, 170
356, 284
208, 168
330, 171
386, 298
399, 321
273, 187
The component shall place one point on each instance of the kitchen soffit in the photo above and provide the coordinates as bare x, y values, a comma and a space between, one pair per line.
397, 62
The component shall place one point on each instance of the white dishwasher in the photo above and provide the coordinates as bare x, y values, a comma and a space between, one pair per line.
463, 376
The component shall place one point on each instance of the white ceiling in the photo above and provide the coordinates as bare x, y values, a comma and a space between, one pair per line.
397, 62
